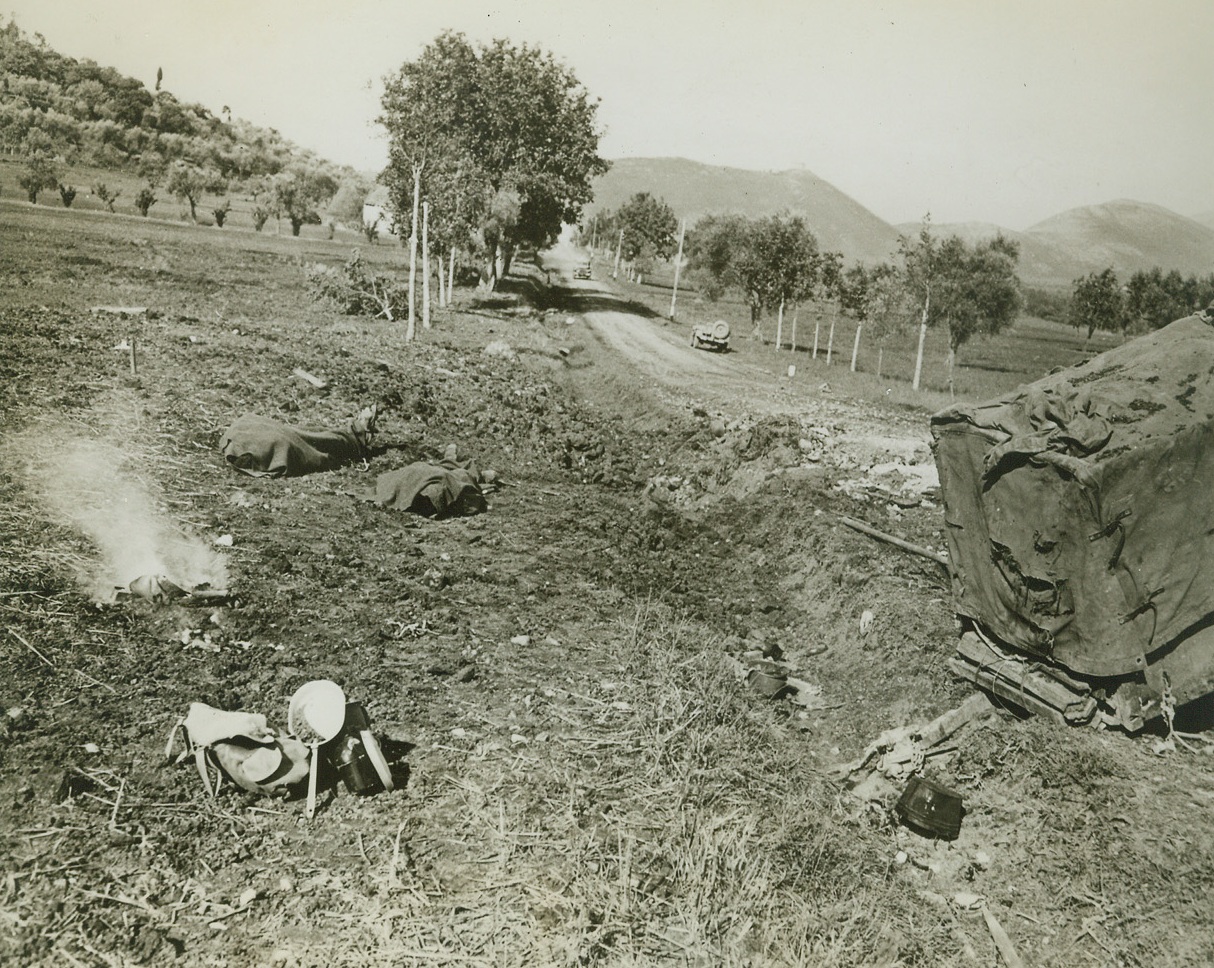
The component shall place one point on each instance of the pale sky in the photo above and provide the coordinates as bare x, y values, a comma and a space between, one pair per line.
1004, 111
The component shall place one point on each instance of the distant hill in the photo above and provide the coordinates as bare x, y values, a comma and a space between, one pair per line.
1128, 236
1205, 218
693, 189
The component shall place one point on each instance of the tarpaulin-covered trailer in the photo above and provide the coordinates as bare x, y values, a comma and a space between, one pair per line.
1079, 512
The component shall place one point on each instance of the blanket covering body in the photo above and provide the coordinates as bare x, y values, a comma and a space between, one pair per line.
1079, 511
263, 447
442, 489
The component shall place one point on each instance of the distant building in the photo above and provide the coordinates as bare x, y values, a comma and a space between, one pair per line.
376, 211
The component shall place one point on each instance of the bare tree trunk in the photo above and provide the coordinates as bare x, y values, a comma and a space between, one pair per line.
830, 340
922, 339
952, 357
855, 349
437, 269
615, 272
426, 264
780, 325
880, 360
411, 327
817, 329
794, 329
451, 275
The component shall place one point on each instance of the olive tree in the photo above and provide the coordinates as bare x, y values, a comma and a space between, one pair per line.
189, 182
40, 173
1097, 303
970, 289
649, 229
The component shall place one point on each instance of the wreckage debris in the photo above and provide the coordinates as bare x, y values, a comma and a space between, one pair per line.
768, 682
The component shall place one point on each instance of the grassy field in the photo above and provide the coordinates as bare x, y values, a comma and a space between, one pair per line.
583, 777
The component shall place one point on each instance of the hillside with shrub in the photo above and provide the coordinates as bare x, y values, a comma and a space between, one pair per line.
76, 124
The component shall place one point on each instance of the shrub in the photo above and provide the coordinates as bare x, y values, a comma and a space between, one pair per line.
102, 191
371, 230
145, 200
68, 194
39, 173
221, 213
355, 290
261, 215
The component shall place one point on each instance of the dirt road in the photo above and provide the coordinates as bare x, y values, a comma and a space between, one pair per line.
725, 383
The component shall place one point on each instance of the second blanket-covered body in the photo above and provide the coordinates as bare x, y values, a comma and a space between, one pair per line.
443, 489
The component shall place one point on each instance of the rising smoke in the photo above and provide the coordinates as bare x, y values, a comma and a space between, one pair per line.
89, 484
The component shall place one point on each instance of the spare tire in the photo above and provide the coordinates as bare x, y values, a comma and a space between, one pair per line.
720, 329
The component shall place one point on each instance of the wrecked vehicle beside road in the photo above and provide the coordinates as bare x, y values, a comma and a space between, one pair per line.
1080, 524
711, 336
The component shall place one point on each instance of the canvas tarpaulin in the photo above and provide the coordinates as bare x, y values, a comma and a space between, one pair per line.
1079, 509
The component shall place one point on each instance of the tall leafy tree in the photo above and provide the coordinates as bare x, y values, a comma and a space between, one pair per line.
650, 228
714, 249
1097, 303
783, 259
919, 272
979, 293
503, 137
970, 289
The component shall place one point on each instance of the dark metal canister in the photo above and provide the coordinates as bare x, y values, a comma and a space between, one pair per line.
354, 767
930, 808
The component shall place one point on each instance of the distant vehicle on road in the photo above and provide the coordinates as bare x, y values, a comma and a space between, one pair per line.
582, 272
711, 336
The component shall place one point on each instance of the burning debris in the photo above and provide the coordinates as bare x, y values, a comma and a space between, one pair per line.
101, 488
161, 590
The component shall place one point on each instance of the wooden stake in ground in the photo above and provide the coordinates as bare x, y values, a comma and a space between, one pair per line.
134, 364
830, 340
426, 263
411, 329
817, 330
619, 246
855, 347
450, 275
678, 264
922, 339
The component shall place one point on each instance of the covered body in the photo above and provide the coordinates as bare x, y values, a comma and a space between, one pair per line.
1080, 516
